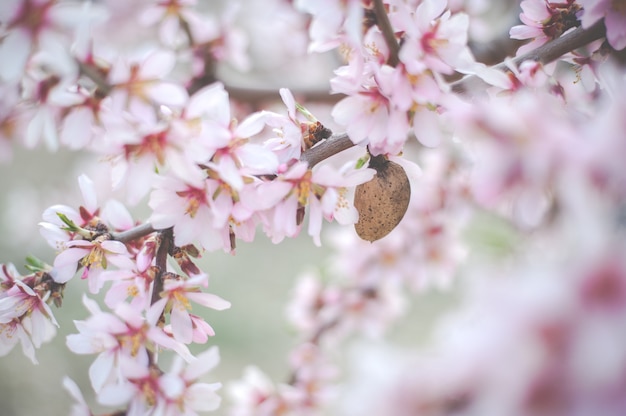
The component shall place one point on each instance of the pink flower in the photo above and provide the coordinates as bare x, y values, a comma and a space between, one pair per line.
140, 143
49, 96
369, 119
177, 296
94, 256
333, 23
614, 14
118, 339
255, 394
53, 229
80, 407
132, 280
544, 21
28, 23
435, 39
231, 156
187, 208
288, 142
195, 396
170, 16
13, 332
25, 317
323, 190
142, 84
147, 390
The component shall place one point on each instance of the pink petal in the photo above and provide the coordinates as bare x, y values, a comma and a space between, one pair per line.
252, 125
88, 190
181, 324
289, 101
209, 300
14, 52
101, 369
616, 29
169, 94
158, 65
207, 361
202, 397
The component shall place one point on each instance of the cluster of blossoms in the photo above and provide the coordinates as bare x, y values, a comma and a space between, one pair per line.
25, 314
530, 162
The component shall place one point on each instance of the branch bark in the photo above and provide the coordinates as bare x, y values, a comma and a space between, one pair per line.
544, 54
383, 23
134, 233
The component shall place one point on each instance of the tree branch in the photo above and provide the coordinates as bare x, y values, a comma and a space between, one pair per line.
331, 146
544, 54
161, 263
382, 21
139, 231
103, 87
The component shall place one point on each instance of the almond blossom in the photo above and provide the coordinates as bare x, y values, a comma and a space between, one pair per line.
25, 316
92, 256
55, 230
172, 393
176, 298
436, 39
143, 84
543, 21
614, 14
232, 156
132, 280
121, 338
319, 189
333, 23
27, 23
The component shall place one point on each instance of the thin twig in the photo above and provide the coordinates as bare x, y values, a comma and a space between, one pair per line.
383, 23
104, 88
139, 231
544, 54
333, 145
161, 263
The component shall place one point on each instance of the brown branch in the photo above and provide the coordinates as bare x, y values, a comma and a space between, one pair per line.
544, 54
165, 241
258, 97
383, 23
333, 145
139, 231
103, 87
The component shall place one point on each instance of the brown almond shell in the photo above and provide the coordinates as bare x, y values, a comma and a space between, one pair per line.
383, 201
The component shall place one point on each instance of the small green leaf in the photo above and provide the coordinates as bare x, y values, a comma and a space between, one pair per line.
306, 113
35, 265
70, 224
